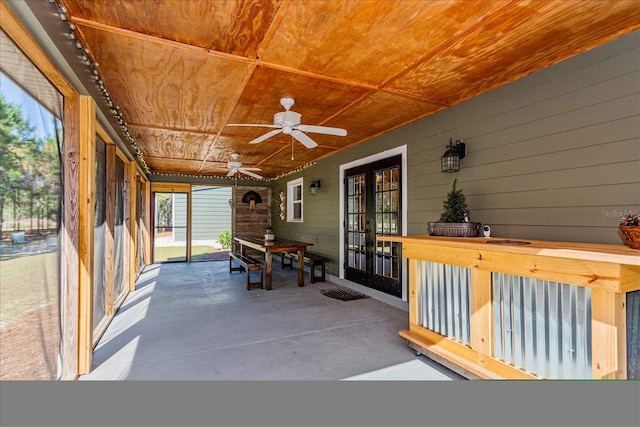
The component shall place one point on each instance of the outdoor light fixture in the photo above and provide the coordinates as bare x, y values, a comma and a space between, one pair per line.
315, 184
451, 158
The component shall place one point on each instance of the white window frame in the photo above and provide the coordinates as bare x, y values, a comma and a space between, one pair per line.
292, 201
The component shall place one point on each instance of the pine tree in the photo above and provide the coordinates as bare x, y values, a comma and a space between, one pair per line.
455, 206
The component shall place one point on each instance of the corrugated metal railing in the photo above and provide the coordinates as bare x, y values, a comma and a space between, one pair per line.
444, 292
542, 327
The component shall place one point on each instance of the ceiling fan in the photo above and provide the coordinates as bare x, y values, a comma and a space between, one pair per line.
235, 166
288, 123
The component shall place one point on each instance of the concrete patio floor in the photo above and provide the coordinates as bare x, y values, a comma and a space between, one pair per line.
195, 321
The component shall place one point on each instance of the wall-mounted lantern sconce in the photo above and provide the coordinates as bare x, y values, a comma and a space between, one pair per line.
451, 158
315, 184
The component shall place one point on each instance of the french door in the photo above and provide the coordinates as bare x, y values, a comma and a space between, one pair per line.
373, 208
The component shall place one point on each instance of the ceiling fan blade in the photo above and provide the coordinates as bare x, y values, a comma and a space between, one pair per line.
231, 172
252, 169
246, 172
252, 125
323, 129
304, 139
265, 136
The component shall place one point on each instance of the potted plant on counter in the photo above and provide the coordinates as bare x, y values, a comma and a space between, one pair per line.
268, 235
454, 220
630, 229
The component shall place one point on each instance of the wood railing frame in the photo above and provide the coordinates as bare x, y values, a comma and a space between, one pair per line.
610, 272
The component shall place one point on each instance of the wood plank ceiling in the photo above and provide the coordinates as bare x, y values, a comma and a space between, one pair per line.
181, 70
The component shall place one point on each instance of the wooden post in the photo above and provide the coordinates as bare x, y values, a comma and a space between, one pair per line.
481, 311
608, 335
76, 277
146, 221
69, 297
189, 225
133, 222
86, 211
126, 227
414, 281
109, 238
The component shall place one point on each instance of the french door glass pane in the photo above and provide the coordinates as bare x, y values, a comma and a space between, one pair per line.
356, 222
387, 208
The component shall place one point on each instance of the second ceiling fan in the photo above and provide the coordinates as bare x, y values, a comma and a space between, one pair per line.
235, 166
289, 123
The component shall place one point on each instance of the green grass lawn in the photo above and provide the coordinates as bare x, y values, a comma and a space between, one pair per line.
30, 281
179, 253
27, 282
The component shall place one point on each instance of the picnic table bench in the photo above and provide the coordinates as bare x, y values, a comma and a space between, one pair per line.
248, 264
314, 260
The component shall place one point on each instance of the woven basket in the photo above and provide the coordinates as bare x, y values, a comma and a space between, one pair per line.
454, 229
631, 235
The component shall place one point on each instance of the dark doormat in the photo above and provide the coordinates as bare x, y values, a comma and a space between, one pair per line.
342, 293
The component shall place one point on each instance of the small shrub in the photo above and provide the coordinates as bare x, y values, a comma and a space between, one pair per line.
225, 240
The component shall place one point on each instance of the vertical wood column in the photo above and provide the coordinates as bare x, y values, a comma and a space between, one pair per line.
608, 334
86, 193
189, 225
76, 276
146, 221
481, 311
415, 278
133, 225
126, 227
69, 295
109, 242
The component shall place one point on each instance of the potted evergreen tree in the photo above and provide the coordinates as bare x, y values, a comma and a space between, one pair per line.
454, 220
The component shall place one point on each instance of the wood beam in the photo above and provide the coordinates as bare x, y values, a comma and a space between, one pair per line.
126, 229
609, 338
69, 297
86, 212
146, 221
109, 243
481, 312
133, 225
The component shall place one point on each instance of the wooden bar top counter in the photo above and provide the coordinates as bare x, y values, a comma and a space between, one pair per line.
613, 268
618, 254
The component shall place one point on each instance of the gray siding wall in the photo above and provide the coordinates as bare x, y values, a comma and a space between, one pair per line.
210, 216
211, 212
179, 217
552, 156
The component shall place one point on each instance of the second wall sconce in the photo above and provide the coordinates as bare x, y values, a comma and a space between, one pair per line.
451, 158
315, 184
